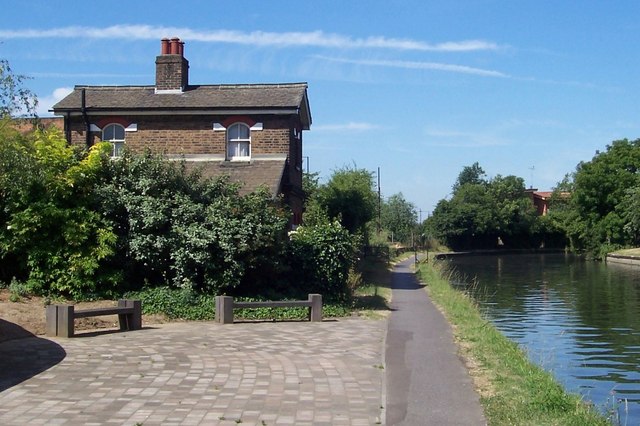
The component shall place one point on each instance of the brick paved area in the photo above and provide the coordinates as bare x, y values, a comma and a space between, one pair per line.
293, 373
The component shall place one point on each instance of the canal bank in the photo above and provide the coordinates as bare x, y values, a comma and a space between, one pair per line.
497, 252
576, 318
513, 389
625, 257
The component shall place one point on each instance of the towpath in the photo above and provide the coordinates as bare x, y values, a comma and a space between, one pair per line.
426, 382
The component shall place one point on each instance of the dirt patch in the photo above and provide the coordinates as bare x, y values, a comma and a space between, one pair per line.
27, 316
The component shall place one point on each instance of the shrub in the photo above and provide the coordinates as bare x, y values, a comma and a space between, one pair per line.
17, 290
175, 303
79, 225
321, 258
178, 230
50, 231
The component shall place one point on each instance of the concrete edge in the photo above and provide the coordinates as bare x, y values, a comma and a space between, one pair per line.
623, 259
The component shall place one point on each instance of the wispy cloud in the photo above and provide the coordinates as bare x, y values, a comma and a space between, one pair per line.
436, 66
348, 127
84, 75
46, 102
256, 38
463, 139
576, 84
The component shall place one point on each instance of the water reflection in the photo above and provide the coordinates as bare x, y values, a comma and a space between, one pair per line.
578, 319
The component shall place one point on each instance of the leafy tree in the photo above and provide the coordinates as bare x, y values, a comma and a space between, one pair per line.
310, 185
514, 214
399, 217
14, 97
473, 174
50, 229
562, 219
601, 202
481, 214
314, 212
466, 221
629, 210
349, 197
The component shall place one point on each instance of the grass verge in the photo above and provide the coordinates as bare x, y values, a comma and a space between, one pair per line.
513, 390
628, 252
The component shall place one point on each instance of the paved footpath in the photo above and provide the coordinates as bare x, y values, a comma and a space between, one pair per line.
285, 373
427, 384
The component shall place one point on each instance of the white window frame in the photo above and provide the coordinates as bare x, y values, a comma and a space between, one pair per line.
233, 145
117, 144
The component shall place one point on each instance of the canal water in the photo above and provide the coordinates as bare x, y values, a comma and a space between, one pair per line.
578, 319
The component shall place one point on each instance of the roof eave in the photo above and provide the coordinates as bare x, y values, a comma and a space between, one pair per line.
175, 111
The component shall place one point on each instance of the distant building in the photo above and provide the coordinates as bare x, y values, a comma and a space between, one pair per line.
250, 132
541, 199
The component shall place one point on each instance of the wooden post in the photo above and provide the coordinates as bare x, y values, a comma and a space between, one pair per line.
60, 320
52, 320
224, 309
315, 311
130, 321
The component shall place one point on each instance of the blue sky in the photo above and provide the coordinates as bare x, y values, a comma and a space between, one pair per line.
419, 89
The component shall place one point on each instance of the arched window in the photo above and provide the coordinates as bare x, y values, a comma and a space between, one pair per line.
114, 133
238, 142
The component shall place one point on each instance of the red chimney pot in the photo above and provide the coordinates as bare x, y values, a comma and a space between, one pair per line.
164, 46
175, 46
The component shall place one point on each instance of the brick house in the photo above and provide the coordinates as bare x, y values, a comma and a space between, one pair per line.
250, 132
541, 199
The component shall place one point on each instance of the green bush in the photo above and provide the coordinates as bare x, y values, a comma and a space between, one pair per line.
50, 232
321, 258
82, 226
175, 229
17, 290
189, 305
175, 303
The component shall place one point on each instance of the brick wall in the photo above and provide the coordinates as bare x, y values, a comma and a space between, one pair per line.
175, 135
172, 72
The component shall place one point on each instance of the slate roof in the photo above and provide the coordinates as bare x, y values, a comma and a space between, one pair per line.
285, 98
250, 175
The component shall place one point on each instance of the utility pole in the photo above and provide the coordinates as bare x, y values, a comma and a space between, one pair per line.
379, 204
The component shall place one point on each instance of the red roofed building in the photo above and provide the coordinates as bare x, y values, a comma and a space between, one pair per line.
541, 199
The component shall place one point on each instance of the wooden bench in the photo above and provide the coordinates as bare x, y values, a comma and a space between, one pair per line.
60, 318
225, 306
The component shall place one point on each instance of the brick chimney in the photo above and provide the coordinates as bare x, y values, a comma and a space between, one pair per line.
172, 69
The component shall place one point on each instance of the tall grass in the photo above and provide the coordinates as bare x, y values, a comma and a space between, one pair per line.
513, 390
